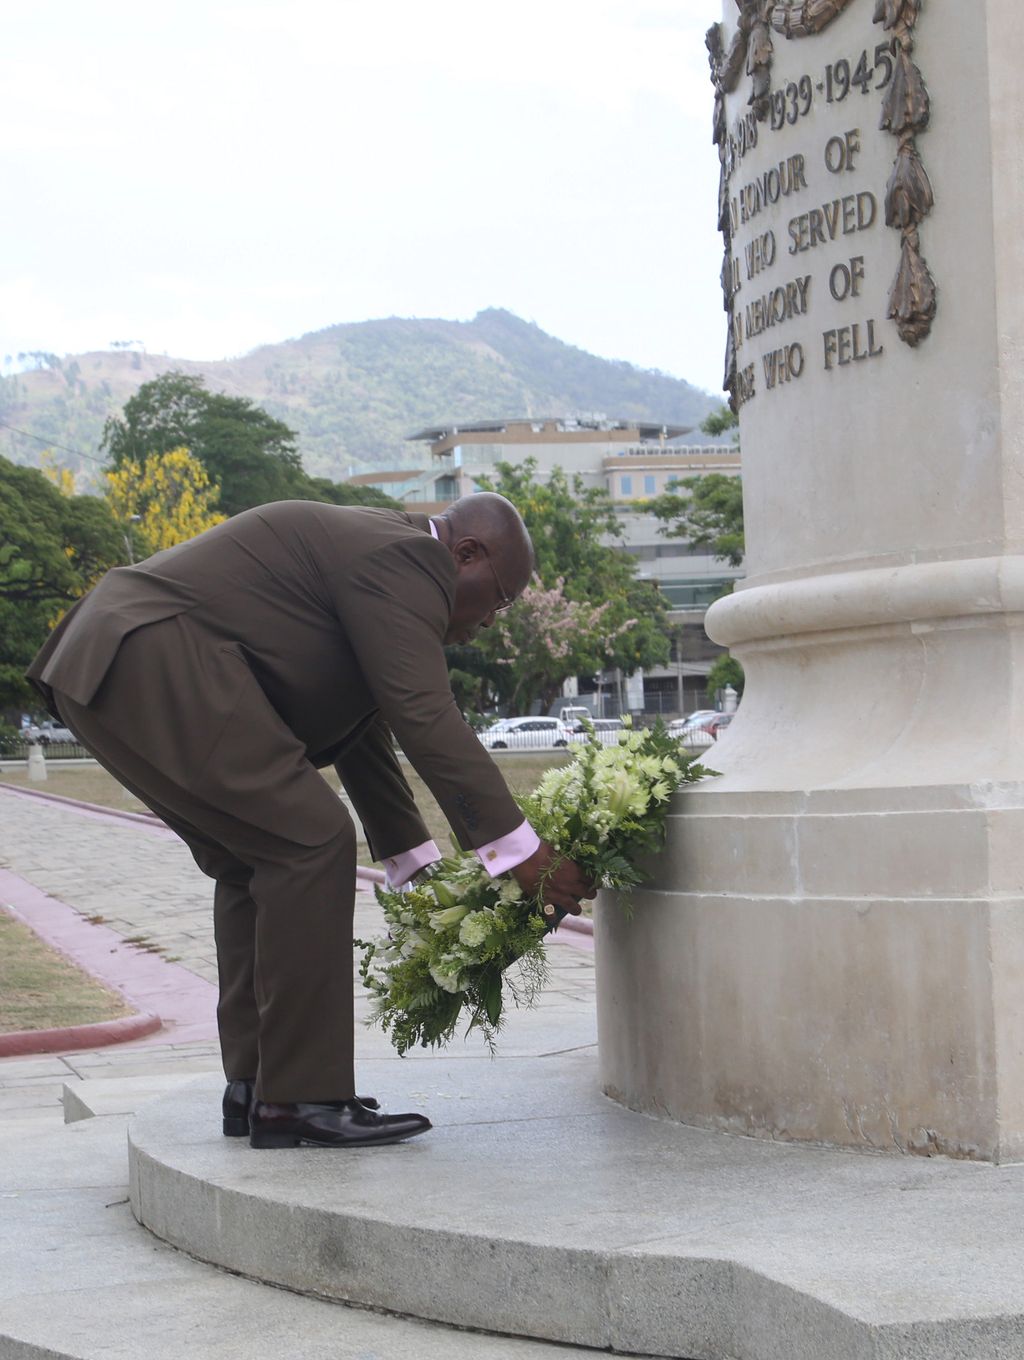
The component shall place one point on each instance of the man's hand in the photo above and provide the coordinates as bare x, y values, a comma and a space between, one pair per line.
562, 885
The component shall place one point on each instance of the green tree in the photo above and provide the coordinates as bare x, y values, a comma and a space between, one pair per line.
725, 671
476, 678
709, 515
567, 522
53, 547
249, 454
721, 420
344, 493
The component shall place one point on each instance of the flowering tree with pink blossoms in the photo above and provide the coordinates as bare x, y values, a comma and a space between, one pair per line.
546, 637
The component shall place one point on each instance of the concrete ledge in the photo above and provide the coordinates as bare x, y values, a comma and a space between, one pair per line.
102, 1096
963, 587
538, 1208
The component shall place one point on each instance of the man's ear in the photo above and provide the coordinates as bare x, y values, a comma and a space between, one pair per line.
467, 550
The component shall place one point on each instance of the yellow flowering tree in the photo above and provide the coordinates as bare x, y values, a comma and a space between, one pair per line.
55, 473
170, 494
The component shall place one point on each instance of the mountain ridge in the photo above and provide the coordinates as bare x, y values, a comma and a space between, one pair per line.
354, 391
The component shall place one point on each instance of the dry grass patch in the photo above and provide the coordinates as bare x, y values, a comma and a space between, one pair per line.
88, 783
40, 989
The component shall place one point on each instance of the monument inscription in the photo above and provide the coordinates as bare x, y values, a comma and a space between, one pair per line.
808, 185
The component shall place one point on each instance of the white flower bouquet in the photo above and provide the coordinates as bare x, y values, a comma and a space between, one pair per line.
458, 940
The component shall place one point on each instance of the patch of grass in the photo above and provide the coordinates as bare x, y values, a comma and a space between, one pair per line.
40, 989
89, 784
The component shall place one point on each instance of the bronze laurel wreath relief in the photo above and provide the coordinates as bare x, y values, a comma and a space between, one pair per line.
905, 113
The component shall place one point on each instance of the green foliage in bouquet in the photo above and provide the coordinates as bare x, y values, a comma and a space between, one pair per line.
450, 941
457, 941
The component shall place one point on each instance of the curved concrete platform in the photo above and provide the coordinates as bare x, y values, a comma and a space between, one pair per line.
538, 1208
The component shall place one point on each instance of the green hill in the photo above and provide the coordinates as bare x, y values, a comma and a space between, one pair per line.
354, 392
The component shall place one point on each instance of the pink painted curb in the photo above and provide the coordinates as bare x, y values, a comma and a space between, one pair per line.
95, 811
21, 1042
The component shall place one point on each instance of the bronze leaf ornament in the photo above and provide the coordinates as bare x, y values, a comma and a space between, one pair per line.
912, 301
906, 106
908, 195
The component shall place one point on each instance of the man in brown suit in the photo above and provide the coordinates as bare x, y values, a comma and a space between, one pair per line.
215, 678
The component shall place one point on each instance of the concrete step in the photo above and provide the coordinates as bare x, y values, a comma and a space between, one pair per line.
539, 1208
118, 1095
81, 1280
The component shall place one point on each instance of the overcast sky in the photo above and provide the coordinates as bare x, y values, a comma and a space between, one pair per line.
206, 177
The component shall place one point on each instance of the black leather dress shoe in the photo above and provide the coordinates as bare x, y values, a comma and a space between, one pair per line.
337, 1123
235, 1108
237, 1102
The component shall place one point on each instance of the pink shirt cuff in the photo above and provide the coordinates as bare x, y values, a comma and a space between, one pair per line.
398, 869
508, 851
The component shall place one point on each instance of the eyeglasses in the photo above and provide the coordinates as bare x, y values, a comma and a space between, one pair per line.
507, 600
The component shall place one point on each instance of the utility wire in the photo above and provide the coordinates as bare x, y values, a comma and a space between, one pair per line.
50, 444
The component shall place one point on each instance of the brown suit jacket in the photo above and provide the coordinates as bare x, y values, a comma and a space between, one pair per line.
336, 615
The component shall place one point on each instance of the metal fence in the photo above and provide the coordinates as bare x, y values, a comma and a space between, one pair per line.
554, 740
52, 750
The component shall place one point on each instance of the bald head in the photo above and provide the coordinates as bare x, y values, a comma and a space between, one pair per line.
493, 558
497, 524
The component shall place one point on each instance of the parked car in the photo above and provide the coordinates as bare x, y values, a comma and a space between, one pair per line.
605, 729
700, 730
47, 733
526, 734
697, 718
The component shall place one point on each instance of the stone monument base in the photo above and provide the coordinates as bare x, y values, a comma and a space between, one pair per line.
844, 966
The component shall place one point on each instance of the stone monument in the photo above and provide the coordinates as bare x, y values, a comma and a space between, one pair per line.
832, 949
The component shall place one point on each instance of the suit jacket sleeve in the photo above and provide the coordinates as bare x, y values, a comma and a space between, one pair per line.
383, 801
394, 605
